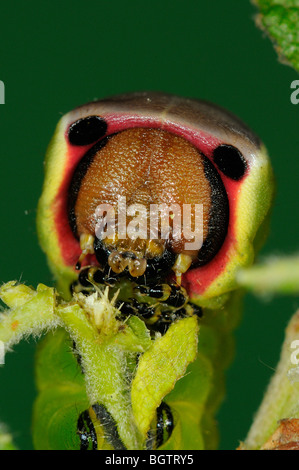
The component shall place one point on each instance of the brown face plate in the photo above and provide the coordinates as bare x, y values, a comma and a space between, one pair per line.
149, 166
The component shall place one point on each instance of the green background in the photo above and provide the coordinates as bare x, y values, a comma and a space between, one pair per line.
55, 56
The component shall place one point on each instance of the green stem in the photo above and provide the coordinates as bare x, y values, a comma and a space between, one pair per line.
278, 275
104, 367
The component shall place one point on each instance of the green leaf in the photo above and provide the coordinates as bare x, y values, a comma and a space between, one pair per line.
280, 19
160, 367
55, 365
31, 312
62, 396
188, 404
55, 418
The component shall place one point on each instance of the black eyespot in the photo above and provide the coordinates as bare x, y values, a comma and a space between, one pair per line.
87, 130
230, 161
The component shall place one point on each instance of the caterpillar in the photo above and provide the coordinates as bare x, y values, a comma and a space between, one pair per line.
151, 202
